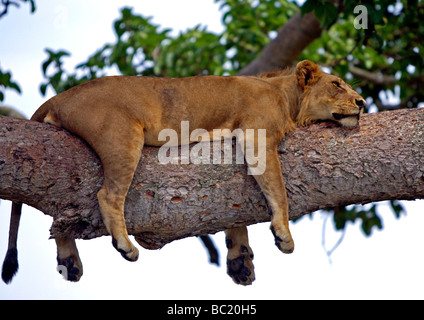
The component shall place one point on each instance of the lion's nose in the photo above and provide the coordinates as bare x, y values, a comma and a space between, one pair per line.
360, 103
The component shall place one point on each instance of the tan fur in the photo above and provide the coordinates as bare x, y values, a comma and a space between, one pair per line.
118, 115
239, 257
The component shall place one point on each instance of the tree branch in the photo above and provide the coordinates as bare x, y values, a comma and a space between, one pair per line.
292, 38
376, 78
323, 165
416, 82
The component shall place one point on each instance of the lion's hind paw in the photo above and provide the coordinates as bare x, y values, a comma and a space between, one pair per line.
69, 269
241, 268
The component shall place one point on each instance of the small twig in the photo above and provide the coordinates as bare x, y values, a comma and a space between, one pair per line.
6, 4
339, 241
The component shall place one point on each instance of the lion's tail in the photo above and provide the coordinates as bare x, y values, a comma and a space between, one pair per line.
10, 264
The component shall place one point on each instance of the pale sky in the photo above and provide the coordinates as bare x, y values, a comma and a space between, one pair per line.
387, 265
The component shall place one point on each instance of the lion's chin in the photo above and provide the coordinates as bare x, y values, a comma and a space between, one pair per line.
349, 122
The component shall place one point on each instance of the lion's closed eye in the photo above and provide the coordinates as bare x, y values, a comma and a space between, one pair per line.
337, 84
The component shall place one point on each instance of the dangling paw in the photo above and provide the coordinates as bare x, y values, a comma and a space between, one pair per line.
283, 239
239, 264
127, 250
69, 268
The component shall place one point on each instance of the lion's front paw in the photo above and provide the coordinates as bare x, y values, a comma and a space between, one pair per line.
127, 250
283, 239
240, 266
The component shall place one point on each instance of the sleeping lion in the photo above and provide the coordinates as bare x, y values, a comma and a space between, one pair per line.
118, 115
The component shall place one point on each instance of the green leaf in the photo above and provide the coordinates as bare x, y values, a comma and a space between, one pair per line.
14, 86
326, 13
309, 6
397, 208
45, 66
43, 88
370, 220
6, 82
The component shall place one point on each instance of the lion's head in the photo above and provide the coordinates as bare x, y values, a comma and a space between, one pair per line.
326, 97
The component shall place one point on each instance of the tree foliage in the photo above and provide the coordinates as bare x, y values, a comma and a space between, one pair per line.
381, 59
7, 82
6, 4
386, 55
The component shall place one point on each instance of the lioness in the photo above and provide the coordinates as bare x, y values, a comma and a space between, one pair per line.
116, 116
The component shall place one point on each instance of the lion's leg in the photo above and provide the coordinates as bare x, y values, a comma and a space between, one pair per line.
264, 164
68, 260
119, 164
239, 258
272, 185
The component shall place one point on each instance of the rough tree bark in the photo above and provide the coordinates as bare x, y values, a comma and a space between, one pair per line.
323, 165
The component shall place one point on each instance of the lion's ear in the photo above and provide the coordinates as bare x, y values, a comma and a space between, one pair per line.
307, 73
